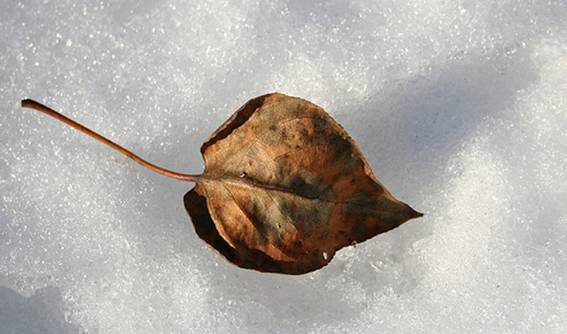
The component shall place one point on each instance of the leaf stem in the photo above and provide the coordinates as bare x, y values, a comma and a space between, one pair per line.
46, 110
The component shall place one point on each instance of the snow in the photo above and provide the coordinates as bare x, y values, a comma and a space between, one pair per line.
459, 106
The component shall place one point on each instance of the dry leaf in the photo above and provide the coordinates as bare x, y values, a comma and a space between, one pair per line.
284, 187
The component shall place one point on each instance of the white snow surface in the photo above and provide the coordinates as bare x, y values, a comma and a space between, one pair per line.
459, 106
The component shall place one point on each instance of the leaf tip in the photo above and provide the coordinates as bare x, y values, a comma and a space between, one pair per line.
411, 213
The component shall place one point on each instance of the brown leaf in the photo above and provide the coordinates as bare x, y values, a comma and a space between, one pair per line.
285, 187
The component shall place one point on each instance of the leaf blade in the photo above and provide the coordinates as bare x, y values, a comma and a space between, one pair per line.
284, 179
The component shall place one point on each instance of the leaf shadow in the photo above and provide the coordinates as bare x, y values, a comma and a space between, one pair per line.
421, 123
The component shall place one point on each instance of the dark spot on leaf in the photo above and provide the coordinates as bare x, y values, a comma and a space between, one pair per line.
302, 188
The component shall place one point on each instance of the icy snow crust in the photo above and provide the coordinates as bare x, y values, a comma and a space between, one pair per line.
459, 106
